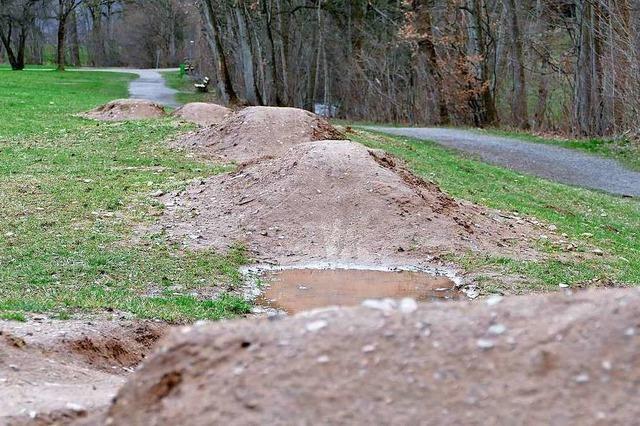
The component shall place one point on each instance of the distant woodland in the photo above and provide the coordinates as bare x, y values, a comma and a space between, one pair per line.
563, 66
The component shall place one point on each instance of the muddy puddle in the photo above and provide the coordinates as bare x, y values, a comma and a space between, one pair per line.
296, 290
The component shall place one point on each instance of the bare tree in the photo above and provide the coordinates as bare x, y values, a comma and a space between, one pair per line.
17, 18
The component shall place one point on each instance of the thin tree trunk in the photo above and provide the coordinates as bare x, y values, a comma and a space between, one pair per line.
75, 43
426, 45
250, 92
222, 68
519, 113
62, 23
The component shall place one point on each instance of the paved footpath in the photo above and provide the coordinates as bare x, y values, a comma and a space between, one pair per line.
547, 161
149, 85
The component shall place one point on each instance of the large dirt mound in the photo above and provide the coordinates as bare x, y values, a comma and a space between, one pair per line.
257, 132
202, 113
126, 109
335, 201
54, 371
549, 359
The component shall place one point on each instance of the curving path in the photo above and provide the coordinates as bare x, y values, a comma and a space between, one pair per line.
546, 161
149, 85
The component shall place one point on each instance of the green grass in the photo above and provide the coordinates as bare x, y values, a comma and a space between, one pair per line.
13, 316
74, 194
590, 219
623, 150
184, 86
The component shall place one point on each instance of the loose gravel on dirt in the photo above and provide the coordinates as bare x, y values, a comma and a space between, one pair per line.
201, 113
256, 133
336, 201
126, 109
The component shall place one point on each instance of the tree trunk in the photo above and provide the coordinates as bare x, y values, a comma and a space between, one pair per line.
424, 28
482, 102
62, 23
586, 78
519, 113
248, 74
16, 59
75, 43
215, 42
277, 81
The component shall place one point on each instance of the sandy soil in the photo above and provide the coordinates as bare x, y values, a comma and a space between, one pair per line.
126, 109
257, 132
337, 201
544, 359
203, 114
52, 371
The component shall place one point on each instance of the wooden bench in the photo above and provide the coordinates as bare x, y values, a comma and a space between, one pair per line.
203, 86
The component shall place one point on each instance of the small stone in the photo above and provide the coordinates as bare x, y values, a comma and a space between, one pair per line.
316, 325
323, 359
485, 344
74, 407
581, 378
408, 305
630, 331
494, 300
368, 348
497, 329
158, 193
606, 364
563, 285
597, 252
552, 228
380, 304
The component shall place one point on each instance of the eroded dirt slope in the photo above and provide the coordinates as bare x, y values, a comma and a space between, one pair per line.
53, 371
544, 359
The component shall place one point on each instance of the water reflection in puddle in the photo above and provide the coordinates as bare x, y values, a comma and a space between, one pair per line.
296, 290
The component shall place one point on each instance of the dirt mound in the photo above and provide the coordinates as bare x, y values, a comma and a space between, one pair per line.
552, 359
54, 371
202, 113
126, 109
257, 132
335, 201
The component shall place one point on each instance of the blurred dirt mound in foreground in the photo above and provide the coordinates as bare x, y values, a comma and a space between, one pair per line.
126, 109
544, 359
257, 132
336, 201
202, 113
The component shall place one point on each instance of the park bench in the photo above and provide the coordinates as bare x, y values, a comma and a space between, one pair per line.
203, 86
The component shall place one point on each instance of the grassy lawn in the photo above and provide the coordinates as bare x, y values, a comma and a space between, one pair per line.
590, 219
184, 86
73, 192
